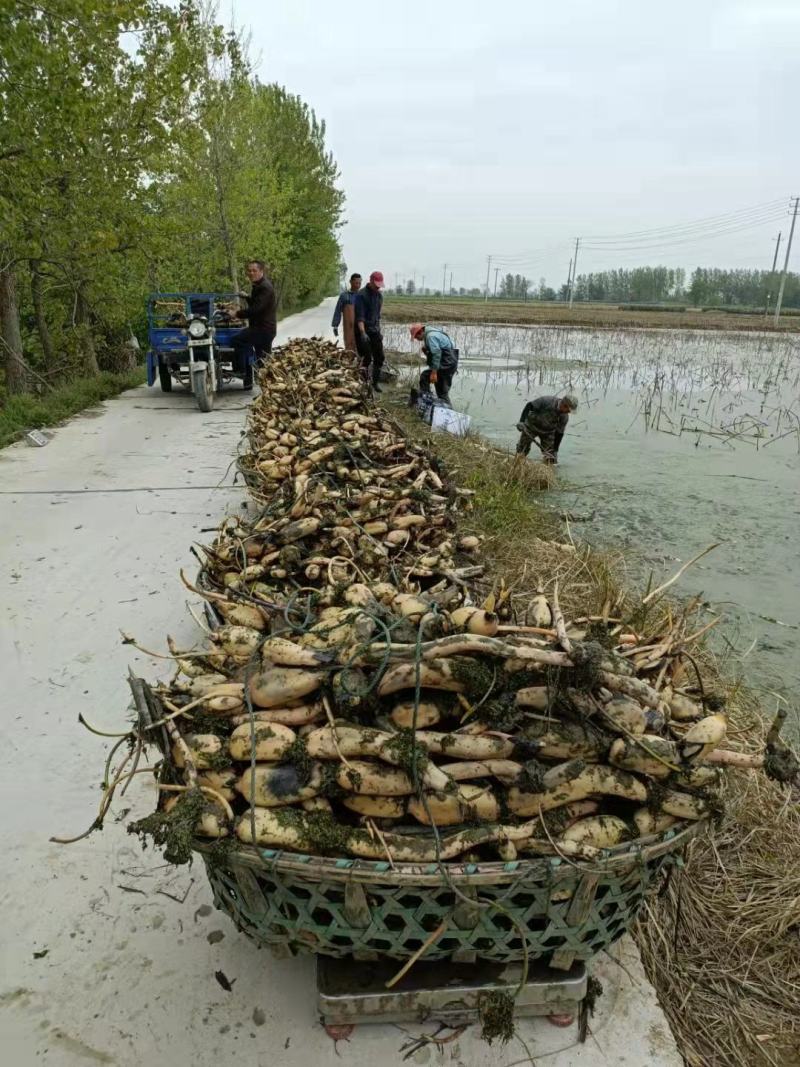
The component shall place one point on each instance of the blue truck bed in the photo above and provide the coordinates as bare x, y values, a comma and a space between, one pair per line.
166, 339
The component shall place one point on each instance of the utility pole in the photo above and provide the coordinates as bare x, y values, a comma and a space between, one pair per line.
423, 285
488, 268
779, 301
574, 271
772, 274
496, 272
775, 257
569, 275
450, 287
444, 279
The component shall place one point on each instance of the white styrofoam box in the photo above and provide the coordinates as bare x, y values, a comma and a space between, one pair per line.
453, 422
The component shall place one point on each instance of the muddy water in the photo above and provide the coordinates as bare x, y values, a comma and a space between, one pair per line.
681, 439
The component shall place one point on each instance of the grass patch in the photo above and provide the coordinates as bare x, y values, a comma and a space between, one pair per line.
19, 414
720, 942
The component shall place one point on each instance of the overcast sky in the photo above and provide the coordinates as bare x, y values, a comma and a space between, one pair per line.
464, 129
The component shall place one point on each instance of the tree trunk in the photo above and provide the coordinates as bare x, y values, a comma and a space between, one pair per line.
41, 319
11, 359
227, 240
82, 318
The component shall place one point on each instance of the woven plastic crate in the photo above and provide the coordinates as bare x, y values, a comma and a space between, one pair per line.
553, 909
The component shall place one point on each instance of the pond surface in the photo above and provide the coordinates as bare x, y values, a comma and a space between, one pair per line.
682, 438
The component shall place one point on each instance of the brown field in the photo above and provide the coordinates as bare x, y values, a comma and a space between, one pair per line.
594, 316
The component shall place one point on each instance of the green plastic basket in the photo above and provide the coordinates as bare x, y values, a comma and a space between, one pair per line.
551, 909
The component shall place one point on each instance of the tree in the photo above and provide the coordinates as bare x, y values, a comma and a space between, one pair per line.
410, 287
143, 155
10, 339
91, 121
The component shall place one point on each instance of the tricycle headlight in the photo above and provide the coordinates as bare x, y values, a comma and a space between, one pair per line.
197, 329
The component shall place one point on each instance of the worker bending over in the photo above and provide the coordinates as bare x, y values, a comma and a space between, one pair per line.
545, 421
441, 355
369, 339
345, 313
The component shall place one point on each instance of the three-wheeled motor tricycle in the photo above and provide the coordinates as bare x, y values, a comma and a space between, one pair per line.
191, 336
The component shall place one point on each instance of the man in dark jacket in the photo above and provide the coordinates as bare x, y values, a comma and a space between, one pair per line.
345, 313
369, 338
441, 355
545, 421
262, 323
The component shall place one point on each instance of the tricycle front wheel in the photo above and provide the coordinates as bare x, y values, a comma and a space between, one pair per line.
201, 384
164, 377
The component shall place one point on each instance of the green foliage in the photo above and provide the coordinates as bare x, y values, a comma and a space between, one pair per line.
637, 285
139, 153
711, 287
18, 414
514, 287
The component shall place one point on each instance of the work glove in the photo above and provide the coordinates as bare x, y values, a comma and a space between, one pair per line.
335, 331
434, 377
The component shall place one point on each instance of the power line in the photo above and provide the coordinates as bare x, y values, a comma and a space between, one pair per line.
532, 255
656, 237
629, 245
684, 239
703, 222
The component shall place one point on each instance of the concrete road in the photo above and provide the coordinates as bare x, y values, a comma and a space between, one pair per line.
108, 955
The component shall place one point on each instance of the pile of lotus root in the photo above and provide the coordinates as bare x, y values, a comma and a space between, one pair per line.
366, 691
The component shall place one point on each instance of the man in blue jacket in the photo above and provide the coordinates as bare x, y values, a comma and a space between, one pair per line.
441, 355
344, 313
369, 339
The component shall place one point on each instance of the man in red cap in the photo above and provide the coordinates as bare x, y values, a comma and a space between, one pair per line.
369, 339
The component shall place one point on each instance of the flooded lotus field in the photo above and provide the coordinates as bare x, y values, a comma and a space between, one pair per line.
682, 439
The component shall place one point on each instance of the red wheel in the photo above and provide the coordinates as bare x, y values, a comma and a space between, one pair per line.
561, 1020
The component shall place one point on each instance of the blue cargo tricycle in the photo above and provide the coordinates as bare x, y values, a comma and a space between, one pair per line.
191, 337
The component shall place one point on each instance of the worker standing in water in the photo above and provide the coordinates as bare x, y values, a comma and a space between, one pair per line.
345, 313
544, 420
441, 355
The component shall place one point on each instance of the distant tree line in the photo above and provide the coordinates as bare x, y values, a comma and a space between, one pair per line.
138, 152
641, 284
707, 286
